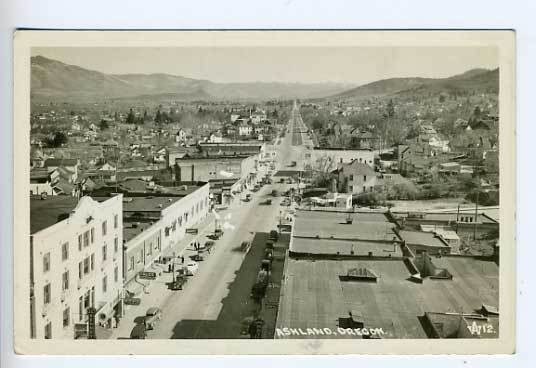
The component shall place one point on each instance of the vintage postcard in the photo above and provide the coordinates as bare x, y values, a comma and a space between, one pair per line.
264, 192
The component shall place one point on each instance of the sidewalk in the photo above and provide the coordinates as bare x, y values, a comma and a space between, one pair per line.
157, 291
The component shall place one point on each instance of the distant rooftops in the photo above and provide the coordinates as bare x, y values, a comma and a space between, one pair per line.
61, 162
341, 149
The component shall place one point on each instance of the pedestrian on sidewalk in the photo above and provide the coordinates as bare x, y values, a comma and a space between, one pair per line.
182, 259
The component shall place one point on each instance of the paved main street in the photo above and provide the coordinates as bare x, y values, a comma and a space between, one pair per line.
196, 311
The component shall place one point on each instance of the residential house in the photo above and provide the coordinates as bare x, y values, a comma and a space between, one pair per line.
70, 164
362, 139
180, 136
244, 129
356, 177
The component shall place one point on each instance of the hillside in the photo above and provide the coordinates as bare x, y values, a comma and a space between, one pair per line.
477, 80
51, 79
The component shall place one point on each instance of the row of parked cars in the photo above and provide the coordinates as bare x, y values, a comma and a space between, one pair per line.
181, 273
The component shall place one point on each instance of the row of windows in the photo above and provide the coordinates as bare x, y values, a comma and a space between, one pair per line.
65, 254
351, 188
352, 178
47, 289
89, 236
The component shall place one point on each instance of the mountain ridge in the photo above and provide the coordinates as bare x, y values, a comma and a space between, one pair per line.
54, 79
477, 79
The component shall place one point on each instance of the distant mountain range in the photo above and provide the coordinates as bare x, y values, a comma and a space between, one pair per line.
477, 80
56, 80
52, 79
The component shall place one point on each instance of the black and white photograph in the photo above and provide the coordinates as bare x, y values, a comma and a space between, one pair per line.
305, 189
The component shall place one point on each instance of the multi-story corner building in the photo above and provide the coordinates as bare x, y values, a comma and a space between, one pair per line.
75, 264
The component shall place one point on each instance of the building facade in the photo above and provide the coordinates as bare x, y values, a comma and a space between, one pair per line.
155, 224
75, 264
328, 159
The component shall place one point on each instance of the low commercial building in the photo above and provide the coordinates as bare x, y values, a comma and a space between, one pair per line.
75, 264
329, 233
232, 172
466, 224
422, 241
324, 300
237, 148
156, 222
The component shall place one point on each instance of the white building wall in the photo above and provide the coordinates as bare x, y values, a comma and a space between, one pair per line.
336, 157
88, 215
185, 213
38, 188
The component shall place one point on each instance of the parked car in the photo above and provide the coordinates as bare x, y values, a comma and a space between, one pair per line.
138, 332
218, 233
179, 282
130, 300
153, 315
191, 268
198, 257
209, 245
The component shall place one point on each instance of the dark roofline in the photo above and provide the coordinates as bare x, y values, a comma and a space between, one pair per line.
341, 149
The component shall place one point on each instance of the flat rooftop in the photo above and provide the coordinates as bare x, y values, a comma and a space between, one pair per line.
47, 212
445, 217
148, 203
422, 238
365, 226
344, 247
132, 228
315, 297
141, 188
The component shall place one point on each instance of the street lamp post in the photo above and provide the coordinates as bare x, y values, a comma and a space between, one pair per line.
280, 220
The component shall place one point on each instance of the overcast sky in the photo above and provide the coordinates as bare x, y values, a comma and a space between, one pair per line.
355, 65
